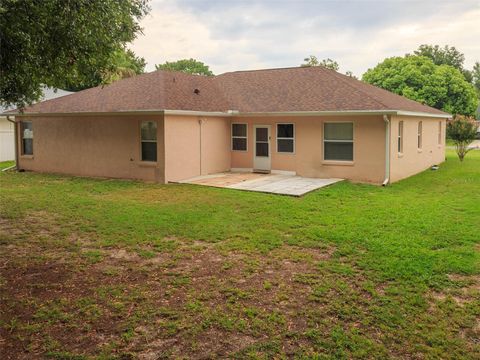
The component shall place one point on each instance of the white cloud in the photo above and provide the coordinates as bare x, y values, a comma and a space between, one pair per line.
240, 35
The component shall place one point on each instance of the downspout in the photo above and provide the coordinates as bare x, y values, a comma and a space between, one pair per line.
387, 150
200, 121
15, 134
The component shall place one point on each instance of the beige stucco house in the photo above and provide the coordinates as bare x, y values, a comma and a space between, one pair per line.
169, 126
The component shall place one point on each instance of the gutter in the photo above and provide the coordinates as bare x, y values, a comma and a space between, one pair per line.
386, 181
15, 134
236, 113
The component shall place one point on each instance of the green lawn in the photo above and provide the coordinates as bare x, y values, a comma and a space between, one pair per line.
109, 269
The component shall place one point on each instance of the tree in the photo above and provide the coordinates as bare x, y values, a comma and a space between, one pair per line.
189, 66
126, 64
56, 42
328, 63
462, 130
476, 77
123, 63
447, 55
349, 73
418, 78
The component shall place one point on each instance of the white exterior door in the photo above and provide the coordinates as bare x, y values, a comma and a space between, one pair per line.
261, 149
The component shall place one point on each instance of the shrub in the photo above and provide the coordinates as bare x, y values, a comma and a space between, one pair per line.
462, 130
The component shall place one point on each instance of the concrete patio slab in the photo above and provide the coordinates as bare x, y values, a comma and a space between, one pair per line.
269, 183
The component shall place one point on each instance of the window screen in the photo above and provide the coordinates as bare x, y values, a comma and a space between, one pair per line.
338, 141
400, 137
239, 137
285, 138
439, 133
420, 135
27, 137
149, 141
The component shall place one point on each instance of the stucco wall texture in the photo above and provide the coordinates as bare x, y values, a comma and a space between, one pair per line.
413, 159
99, 146
189, 146
196, 146
368, 163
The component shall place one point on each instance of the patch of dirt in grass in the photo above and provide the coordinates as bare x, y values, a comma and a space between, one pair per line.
465, 293
465, 290
193, 302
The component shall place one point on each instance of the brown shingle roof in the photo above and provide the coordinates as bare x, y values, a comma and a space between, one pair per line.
271, 90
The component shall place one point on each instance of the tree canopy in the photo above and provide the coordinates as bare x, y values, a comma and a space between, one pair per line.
418, 78
447, 55
462, 131
189, 66
123, 63
476, 77
56, 42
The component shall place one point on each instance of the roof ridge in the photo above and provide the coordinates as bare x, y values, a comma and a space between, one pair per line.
345, 81
180, 72
266, 69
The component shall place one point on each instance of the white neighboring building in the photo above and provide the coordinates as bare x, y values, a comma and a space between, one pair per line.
7, 134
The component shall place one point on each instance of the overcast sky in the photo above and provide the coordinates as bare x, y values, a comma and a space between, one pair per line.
234, 35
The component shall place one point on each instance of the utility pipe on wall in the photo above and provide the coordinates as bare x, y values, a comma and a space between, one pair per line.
200, 122
387, 150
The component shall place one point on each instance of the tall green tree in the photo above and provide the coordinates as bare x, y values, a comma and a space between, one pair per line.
447, 55
56, 42
418, 78
123, 63
476, 77
189, 66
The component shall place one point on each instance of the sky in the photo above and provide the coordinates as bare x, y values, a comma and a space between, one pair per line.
232, 35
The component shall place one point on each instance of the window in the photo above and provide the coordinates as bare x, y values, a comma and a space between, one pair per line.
419, 135
27, 137
439, 133
149, 140
400, 137
239, 137
285, 138
338, 141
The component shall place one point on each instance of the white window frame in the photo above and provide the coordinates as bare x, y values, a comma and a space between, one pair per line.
22, 125
420, 135
239, 137
148, 141
400, 137
285, 138
340, 141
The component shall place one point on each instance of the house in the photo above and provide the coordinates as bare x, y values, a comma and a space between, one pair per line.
7, 137
169, 126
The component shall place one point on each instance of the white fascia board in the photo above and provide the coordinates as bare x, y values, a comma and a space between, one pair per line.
423, 114
93, 113
240, 114
319, 113
130, 112
196, 113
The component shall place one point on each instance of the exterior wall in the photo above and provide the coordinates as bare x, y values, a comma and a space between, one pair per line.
307, 160
189, 146
413, 160
196, 146
7, 140
105, 146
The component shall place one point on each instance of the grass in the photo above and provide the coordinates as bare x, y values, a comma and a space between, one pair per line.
110, 269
